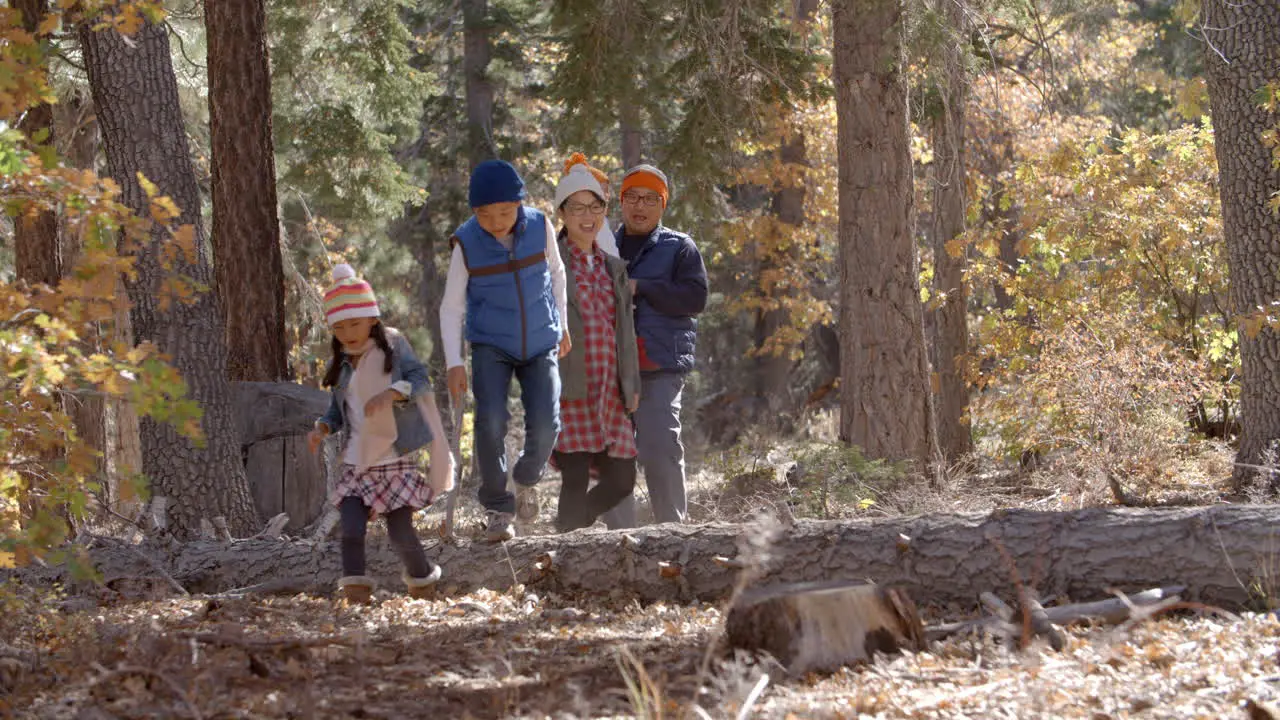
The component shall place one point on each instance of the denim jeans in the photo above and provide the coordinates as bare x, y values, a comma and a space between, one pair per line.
539, 376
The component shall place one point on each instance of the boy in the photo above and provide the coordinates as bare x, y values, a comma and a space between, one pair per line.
507, 279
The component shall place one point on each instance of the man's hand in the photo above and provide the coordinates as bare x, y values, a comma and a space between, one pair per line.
632, 284
634, 403
317, 436
565, 343
456, 379
382, 401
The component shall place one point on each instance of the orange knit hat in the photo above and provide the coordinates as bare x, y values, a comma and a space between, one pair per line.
580, 159
647, 177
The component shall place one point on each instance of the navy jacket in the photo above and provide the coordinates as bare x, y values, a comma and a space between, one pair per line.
671, 290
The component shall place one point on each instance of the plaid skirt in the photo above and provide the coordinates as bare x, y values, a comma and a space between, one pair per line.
384, 488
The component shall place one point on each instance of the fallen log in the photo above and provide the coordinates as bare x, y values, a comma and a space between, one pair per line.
1217, 553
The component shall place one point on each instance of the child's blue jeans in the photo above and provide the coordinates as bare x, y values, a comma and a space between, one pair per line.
539, 376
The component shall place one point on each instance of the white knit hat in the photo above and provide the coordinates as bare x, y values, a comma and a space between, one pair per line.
578, 178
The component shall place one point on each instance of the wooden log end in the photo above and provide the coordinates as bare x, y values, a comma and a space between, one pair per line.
823, 626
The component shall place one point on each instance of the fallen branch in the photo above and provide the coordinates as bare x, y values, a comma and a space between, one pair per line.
1108, 612
256, 645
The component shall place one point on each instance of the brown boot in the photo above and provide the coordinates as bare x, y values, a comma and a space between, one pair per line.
358, 589
423, 588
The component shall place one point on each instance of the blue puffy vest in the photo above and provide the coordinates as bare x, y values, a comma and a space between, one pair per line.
510, 303
669, 341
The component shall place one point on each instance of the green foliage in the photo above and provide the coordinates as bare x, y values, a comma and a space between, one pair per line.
702, 76
345, 96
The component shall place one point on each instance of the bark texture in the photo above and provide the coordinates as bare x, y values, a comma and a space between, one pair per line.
950, 326
1217, 553
246, 227
36, 250
136, 96
475, 67
1242, 56
885, 396
631, 129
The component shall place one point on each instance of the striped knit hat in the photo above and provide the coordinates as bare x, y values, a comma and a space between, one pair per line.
349, 297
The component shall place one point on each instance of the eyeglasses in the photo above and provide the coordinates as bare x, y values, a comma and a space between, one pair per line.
637, 198
576, 209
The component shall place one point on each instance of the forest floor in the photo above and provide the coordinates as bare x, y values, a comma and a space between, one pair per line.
519, 654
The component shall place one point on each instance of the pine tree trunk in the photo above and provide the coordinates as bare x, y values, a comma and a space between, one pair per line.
36, 250
475, 66
77, 134
885, 398
246, 228
950, 326
773, 371
1242, 56
632, 131
136, 96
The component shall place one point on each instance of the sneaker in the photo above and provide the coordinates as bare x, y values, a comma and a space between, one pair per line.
526, 502
499, 528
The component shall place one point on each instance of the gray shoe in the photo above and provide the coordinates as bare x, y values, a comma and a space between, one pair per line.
526, 502
499, 528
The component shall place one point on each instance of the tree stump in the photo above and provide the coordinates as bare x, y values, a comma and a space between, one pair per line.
284, 477
824, 625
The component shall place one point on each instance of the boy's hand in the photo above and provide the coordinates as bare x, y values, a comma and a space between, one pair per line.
382, 401
565, 343
633, 403
457, 381
317, 436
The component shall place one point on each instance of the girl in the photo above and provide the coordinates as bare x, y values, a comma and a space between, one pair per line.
600, 377
383, 405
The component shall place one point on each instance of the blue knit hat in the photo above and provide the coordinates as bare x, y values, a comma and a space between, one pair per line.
495, 181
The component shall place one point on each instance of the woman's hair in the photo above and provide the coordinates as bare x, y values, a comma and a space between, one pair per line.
379, 335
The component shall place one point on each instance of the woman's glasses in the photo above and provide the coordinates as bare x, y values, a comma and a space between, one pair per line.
579, 209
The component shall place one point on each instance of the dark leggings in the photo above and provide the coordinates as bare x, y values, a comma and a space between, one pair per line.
355, 520
579, 507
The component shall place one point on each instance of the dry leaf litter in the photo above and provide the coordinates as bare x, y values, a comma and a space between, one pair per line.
518, 654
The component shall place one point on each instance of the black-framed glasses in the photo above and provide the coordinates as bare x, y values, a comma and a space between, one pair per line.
637, 198
576, 209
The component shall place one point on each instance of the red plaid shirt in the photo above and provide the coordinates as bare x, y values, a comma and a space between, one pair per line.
599, 422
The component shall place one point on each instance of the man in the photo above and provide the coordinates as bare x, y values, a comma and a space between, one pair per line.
669, 282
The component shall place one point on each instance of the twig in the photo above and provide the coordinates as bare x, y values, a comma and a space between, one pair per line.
224, 640
139, 670
755, 694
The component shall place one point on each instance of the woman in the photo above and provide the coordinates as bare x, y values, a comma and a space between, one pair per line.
600, 377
